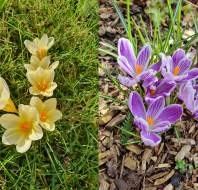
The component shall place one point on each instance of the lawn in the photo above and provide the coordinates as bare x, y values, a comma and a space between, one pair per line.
68, 157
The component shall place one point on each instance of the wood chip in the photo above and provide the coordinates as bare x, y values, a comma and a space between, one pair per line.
183, 152
164, 165
158, 175
104, 185
146, 158
106, 117
134, 148
116, 120
165, 178
104, 154
130, 163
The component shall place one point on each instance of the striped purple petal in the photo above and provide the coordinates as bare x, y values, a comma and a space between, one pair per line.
144, 55
171, 114
183, 65
161, 127
150, 139
125, 66
177, 56
141, 124
126, 81
125, 49
155, 108
136, 105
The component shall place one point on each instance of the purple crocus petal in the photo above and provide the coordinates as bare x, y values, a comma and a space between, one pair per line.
157, 66
144, 55
186, 94
167, 62
192, 74
168, 76
125, 49
165, 88
171, 114
180, 78
149, 99
150, 139
184, 65
196, 115
141, 123
156, 107
177, 56
148, 77
161, 127
126, 81
125, 66
136, 105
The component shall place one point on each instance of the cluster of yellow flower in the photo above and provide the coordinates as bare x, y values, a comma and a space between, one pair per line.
25, 124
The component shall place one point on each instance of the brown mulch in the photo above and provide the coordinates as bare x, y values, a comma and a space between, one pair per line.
135, 166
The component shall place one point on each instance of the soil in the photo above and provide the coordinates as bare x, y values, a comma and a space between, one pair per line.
133, 166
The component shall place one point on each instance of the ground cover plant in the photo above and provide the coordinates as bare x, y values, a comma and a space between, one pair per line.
67, 157
157, 84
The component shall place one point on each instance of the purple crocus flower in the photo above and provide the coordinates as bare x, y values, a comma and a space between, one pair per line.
177, 67
156, 119
189, 96
128, 62
159, 88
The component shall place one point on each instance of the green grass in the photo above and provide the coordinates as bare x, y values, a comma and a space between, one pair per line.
68, 157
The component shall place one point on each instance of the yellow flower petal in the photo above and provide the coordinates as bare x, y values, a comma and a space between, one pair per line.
39, 47
50, 104
10, 107
42, 82
9, 121
11, 136
48, 126
37, 133
48, 112
4, 93
24, 145
54, 115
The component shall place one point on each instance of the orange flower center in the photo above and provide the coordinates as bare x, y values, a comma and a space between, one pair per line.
150, 120
43, 86
138, 68
43, 116
176, 70
25, 127
41, 53
152, 92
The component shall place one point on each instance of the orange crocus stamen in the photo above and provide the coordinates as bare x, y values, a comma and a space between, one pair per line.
25, 127
43, 86
152, 92
41, 53
176, 70
138, 69
43, 116
150, 120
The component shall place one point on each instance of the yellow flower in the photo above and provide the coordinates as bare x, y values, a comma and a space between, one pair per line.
6, 103
42, 82
39, 47
44, 63
21, 130
48, 112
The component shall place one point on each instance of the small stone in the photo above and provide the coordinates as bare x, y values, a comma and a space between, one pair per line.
168, 187
183, 152
176, 180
